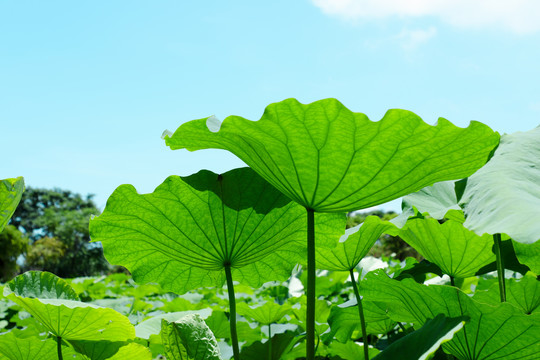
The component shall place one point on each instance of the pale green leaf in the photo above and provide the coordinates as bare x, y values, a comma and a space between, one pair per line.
267, 313
504, 196
193, 335
353, 245
329, 159
11, 191
152, 325
459, 252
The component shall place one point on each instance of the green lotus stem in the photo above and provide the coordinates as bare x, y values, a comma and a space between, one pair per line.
500, 266
452, 281
59, 347
310, 311
232, 312
361, 312
269, 341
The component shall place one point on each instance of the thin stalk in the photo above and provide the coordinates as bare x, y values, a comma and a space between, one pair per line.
310, 311
269, 341
232, 312
361, 312
500, 266
59, 347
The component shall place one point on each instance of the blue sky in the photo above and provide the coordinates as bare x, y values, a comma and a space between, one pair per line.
87, 88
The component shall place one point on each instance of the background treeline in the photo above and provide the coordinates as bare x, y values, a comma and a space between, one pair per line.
49, 232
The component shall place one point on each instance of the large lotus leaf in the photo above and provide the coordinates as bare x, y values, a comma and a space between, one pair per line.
268, 313
524, 293
422, 343
529, 254
184, 233
504, 196
353, 245
457, 251
329, 159
14, 347
11, 191
63, 317
492, 332
344, 321
192, 335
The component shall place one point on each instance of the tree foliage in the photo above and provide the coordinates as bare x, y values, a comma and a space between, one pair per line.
56, 222
12, 244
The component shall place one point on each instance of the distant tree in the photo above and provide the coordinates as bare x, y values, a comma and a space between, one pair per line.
12, 244
54, 216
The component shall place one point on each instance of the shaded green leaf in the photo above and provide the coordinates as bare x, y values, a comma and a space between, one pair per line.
344, 321
492, 332
184, 233
507, 187
457, 251
281, 343
329, 159
422, 343
11, 191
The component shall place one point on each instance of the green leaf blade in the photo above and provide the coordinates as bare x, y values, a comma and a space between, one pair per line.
329, 159
11, 191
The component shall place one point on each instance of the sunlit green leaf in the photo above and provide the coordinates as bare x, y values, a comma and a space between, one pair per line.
14, 347
11, 191
329, 159
268, 313
192, 334
350, 350
457, 251
504, 196
51, 301
524, 293
529, 254
422, 343
354, 245
492, 332
184, 233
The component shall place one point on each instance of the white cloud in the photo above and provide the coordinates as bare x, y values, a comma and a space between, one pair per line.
411, 39
519, 16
